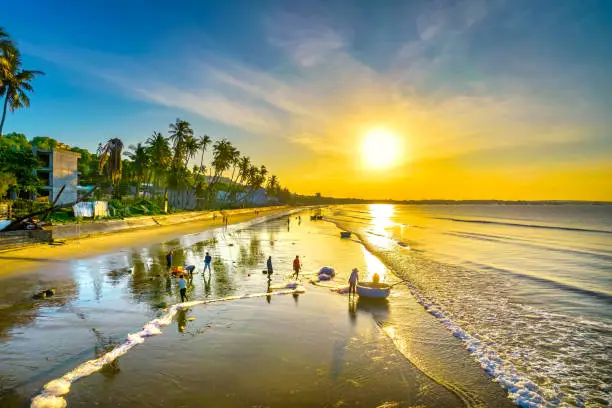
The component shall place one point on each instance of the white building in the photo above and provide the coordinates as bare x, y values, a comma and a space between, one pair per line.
58, 168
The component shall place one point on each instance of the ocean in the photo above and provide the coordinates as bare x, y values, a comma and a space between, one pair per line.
527, 288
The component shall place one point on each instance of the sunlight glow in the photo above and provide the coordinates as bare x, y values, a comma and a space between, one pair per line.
381, 216
380, 149
374, 265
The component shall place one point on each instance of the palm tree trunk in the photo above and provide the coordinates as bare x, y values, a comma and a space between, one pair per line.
6, 98
201, 162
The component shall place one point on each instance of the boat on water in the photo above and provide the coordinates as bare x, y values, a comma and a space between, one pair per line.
373, 290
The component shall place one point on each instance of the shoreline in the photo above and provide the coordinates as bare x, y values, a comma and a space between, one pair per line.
30, 258
323, 356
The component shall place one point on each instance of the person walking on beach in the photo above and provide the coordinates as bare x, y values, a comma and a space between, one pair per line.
269, 265
353, 279
297, 266
207, 260
169, 259
183, 288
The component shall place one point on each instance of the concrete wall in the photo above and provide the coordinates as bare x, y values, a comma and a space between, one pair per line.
105, 226
183, 199
64, 172
12, 239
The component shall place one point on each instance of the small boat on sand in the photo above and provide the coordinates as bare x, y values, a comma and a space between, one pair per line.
373, 290
345, 234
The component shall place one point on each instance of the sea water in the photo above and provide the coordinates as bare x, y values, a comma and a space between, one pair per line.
528, 288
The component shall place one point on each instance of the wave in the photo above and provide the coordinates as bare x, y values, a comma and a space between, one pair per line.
482, 343
528, 244
512, 224
607, 296
521, 390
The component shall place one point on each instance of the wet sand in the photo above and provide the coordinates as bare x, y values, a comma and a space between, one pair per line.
316, 349
38, 257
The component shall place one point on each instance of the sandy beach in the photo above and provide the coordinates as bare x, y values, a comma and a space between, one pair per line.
313, 349
38, 257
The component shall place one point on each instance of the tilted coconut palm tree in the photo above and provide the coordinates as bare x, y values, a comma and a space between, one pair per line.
110, 159
192, 145
14, 81
204, 143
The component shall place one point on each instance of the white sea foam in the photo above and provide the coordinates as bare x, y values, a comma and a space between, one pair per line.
524, 392
52, 395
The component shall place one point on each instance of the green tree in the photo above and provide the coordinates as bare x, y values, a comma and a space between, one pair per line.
192, 145
14, 140
43, 142
272, 186
5, 40
223, 154
22, 165
15, 82
6, 181
160, 155
180, 131
140, 163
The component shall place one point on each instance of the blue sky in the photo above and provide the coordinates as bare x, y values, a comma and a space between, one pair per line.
484, 84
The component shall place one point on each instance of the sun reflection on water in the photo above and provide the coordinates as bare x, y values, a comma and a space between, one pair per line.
381, 223
373, 265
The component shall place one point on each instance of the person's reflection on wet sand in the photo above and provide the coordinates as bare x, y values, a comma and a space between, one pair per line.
207, 284
296, 297
168, 284
181, 320
268, 290
352, 303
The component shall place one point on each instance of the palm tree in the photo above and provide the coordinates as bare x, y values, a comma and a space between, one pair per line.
272, 185
234, 158
192, 145
223, 152
179, 132
110, 158
14, 81
160, 155
140, 163
5, 40
204, 142
243, 168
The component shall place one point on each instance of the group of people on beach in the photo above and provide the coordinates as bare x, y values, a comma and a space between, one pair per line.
189, 269
297, 266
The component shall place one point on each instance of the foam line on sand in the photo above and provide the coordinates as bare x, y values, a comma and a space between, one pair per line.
54, 392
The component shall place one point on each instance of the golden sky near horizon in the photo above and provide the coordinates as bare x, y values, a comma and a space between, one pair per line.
401, 100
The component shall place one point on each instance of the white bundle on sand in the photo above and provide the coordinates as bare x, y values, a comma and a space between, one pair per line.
52, 395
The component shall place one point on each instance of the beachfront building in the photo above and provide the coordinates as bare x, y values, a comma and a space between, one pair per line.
58, 168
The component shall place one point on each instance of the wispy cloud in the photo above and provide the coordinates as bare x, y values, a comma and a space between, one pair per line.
322, 97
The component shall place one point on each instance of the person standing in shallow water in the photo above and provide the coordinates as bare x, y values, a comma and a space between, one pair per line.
207, 261
169, 259
183, 288
297, 266
353, 279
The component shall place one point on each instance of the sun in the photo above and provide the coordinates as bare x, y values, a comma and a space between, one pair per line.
380, 149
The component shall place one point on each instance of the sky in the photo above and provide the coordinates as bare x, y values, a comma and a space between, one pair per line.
472, 99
